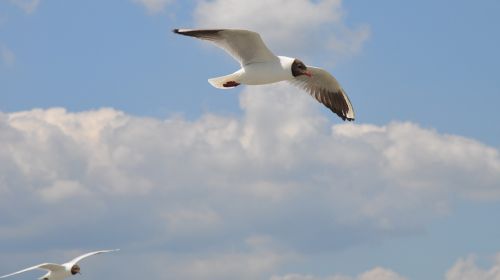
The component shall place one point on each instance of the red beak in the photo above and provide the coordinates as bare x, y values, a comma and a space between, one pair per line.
308, 74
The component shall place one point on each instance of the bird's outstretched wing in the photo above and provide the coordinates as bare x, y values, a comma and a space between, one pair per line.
243, 45
325, 88
77, 259
46, 266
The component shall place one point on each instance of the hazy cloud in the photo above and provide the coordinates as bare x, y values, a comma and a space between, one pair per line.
28, 6
466, 268
154, 6
287, 25
7, 56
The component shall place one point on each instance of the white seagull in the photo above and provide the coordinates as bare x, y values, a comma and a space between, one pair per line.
260, 66
60, 271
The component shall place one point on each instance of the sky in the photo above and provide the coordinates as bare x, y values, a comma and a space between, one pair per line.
113, 138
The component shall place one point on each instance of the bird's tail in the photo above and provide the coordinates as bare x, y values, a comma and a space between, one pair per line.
226, 82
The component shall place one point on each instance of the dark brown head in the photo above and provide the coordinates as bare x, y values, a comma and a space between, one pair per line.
75, 269
299, 68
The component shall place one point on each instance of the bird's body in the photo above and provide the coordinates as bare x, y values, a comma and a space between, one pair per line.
260, 66
57, 273
259, 73
60, 271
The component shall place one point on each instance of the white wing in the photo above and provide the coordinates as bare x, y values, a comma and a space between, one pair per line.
245, 46
325, 88
77, 259
46, 266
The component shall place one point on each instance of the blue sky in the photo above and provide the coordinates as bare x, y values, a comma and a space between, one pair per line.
114, 138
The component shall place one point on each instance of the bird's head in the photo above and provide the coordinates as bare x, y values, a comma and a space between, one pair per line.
75, 269
299, 68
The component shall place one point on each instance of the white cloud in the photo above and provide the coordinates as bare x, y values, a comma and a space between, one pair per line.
7, 56
217, 175
287, 25
380, 273
154, 6
377, 273
465, 269
28, 6
228, 188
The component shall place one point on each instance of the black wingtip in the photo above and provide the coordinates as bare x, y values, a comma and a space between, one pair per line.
176, 30
343, 117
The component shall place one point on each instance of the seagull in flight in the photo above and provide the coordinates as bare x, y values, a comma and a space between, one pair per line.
60, 271
260, 66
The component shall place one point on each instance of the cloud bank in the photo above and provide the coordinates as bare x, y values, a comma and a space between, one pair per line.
253, 192
281, 155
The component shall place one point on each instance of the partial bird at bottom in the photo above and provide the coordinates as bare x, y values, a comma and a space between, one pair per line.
60, 271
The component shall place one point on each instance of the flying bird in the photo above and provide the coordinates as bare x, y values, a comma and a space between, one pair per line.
60, 271
260, 66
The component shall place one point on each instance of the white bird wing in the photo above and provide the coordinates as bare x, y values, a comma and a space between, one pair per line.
325, 88
46, 266
77, 259
243, 45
